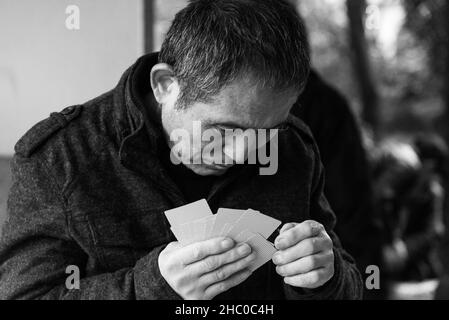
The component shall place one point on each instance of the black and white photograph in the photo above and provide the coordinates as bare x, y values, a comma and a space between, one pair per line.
227, 155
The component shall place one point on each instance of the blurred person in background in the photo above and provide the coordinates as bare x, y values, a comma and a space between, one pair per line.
434, 155
410, 198
348, 180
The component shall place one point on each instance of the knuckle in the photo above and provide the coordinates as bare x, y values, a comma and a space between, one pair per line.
313, 262
244, 275
309, 226
197, 253
233, 254
220, 275
216, 245
317, 227
211, 264
223, 286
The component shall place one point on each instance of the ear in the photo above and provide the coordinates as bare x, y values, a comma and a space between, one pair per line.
164, 84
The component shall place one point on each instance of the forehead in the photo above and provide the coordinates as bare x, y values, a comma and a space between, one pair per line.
245, 104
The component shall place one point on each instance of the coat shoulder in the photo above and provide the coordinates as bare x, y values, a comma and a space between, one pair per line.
83, 127
41, 132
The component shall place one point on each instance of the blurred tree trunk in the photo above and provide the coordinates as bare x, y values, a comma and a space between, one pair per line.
148, 23
446, 85
361, 63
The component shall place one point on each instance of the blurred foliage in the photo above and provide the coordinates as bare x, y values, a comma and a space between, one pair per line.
426, 20
407, 41
331, 54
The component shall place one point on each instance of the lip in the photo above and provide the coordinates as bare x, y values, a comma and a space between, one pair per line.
217, 166
212, 164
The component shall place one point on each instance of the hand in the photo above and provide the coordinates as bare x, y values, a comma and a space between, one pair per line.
202, 270
305, 256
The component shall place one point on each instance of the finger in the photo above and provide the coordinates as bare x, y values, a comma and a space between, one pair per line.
287, 227
214, 262
227, 271
302, 249
307, 229
311, 280
229, 283
306, 264
200, 250
172, 246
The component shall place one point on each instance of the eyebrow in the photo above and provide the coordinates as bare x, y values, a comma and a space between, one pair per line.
232, 125
238, 126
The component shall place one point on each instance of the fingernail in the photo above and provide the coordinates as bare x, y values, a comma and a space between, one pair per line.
227, 243
280, 242
276, 258
243, 248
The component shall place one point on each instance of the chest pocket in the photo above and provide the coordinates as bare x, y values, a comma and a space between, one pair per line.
122, 239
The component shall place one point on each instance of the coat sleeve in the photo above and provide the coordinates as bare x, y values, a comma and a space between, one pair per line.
346, 284
36, 248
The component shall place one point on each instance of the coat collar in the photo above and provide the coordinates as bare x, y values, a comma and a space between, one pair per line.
140, 129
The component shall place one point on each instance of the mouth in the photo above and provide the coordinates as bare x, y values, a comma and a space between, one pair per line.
218, 167
211, 164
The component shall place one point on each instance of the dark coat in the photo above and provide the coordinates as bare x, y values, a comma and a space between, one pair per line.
89, 190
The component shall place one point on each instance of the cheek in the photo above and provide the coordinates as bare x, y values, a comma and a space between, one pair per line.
169, 120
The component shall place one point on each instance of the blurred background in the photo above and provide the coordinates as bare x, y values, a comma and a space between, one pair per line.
388, 58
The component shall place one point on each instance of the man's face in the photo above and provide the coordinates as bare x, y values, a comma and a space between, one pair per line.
240, 105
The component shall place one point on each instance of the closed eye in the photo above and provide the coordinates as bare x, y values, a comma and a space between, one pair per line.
282, 127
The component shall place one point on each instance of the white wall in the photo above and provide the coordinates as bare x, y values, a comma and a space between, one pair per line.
165, 12
45, 67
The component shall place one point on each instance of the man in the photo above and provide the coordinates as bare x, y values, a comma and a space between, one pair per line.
91, 183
